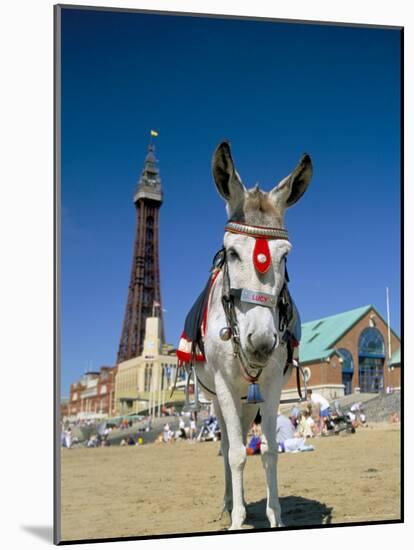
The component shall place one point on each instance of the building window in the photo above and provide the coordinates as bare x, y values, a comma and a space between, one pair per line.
347, 369
371, 342
103, 389
371, 360
74, 396
147, 377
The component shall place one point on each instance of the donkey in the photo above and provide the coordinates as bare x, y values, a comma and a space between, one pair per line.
243, 340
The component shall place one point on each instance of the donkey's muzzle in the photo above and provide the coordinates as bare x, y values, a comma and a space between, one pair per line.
260, 347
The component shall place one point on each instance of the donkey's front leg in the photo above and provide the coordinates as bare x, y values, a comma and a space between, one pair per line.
270, 456
231, 410
228, 492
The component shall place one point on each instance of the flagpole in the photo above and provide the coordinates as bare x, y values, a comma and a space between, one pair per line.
389, 328
152, 133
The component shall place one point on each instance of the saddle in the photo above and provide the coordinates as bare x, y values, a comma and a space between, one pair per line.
191, 346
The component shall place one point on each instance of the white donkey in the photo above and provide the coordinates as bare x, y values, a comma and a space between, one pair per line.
243, 341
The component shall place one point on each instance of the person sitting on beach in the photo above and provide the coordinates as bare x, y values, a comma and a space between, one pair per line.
166, 433
284, 428
253, 447
287, 438
306, 424
357, 409
181, 427
92, 441
295, 416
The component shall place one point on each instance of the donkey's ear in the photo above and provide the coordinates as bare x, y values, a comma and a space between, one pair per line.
227, 180
291, 188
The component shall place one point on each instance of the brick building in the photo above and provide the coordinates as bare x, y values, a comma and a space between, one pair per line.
93, 395
348, 352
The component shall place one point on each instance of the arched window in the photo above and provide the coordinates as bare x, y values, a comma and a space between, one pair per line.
371, 342
371, 360
347, 369
347, 361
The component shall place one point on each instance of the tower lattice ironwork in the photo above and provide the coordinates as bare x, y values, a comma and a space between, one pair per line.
144, 291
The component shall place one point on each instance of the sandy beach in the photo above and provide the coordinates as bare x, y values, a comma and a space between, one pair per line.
178, 488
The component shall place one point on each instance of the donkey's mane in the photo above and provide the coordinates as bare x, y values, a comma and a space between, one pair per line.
257, 208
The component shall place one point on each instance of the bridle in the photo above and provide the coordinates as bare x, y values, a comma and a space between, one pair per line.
262, 261
283, 302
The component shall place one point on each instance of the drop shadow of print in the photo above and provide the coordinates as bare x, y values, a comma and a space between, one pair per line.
43, 532
296, 512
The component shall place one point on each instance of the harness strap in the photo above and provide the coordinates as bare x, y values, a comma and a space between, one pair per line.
284, 303
298, 383
228, 306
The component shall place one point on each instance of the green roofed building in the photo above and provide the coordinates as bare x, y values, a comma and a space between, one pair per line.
348, 352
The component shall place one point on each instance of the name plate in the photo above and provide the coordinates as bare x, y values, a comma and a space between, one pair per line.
258, 298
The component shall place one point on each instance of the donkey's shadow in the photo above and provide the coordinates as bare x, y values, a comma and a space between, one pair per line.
296, 511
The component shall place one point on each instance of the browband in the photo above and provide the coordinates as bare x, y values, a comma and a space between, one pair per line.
257, 231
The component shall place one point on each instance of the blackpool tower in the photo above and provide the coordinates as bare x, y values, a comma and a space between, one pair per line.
144, 291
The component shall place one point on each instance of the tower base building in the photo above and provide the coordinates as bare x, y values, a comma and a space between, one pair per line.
143, 383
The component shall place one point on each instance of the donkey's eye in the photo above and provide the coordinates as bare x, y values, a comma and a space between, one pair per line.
232, 254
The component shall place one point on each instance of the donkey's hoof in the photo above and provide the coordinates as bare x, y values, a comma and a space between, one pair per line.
235, 527
238, 517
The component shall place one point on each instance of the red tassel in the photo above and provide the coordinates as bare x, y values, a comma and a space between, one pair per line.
261, 255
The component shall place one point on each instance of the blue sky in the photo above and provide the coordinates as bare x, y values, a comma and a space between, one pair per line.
275, 90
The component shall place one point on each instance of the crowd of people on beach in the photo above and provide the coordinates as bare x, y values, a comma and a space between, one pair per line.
99, 436
187, 429
313, 418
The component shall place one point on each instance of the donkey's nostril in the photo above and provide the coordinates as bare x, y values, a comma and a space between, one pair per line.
265, 348
261, 345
